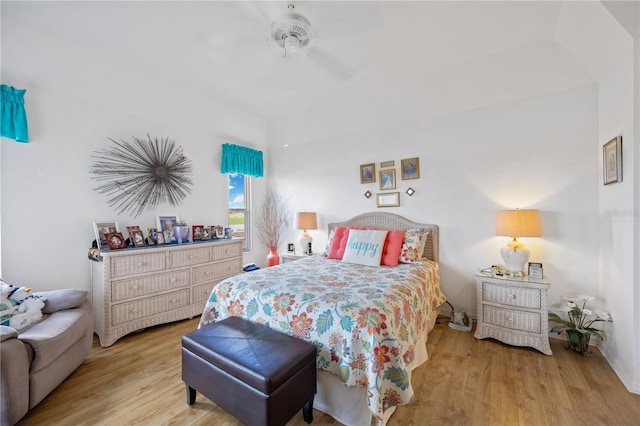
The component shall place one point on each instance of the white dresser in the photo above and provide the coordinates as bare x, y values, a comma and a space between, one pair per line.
137, 288
513, 310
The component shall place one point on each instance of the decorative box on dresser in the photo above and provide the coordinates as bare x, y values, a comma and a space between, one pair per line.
137, 288
513, 310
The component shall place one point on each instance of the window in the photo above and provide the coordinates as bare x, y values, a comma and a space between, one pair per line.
239, 208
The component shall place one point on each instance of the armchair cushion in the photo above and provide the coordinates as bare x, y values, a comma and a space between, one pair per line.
7, 332
58, 300
49, 339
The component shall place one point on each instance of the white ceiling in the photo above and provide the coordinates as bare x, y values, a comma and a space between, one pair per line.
374, 62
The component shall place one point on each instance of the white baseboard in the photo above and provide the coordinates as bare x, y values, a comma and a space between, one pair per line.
631, 385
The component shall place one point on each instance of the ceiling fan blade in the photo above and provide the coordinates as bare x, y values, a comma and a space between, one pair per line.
342, 19
337, 67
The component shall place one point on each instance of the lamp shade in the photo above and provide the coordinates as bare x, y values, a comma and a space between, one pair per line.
306, 220
518, 223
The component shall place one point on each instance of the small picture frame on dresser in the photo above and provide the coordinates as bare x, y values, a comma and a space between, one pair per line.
535, 270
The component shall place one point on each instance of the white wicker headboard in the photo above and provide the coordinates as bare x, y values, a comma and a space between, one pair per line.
382, 220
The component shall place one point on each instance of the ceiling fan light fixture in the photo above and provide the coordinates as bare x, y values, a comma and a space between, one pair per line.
292, 32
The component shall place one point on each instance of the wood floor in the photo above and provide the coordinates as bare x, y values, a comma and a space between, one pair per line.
137, 381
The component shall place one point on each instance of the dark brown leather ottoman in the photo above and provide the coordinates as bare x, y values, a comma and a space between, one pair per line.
259, 375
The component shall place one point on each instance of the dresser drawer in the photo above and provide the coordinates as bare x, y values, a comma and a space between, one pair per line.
225, 251
216, 271
129, 311
127, 289
201, 293
512, 319
138, 264
188, 257
511, 295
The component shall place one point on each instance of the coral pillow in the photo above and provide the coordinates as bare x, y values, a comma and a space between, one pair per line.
392, 247
413, 247
364, 247
338, 242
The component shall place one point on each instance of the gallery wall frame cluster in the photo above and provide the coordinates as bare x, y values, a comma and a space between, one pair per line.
386, 179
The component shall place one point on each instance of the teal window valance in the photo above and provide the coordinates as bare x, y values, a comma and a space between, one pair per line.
243, 160
14, 117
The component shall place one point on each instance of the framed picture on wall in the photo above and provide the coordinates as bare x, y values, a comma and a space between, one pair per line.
612, 160
410, 168
368, 173
388, 179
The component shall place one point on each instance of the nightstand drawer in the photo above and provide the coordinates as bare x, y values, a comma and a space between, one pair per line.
521, 297
512, 319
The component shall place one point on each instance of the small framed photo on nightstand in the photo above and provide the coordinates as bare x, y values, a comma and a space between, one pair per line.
535, 270
291, 248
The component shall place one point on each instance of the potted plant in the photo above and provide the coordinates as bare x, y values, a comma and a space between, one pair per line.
579, 325
272, 223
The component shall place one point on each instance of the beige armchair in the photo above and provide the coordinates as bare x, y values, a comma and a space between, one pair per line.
35, 360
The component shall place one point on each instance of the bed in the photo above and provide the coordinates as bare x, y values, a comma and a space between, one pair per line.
369, 323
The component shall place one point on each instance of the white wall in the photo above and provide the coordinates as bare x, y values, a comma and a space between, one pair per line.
75, 101
532, 153
618, 115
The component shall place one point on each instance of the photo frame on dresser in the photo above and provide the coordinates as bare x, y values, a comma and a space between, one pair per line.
116, 241
102, 228
535, 270
167, 224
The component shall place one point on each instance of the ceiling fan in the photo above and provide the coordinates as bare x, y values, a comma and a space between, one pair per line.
293, 33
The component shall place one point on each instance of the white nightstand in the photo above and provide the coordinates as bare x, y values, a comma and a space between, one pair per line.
290, 257
513, 310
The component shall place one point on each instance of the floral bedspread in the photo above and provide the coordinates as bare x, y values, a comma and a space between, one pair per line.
364, 320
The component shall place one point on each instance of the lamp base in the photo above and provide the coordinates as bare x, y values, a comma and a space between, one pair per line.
515, 256
305, 241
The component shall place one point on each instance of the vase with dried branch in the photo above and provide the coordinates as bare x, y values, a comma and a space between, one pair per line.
272, 223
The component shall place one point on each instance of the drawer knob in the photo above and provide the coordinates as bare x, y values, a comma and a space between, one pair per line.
510, 319
173, 300
140, 263
226, 251
134, 310
135, 287
173, 280
512, 296
191, 256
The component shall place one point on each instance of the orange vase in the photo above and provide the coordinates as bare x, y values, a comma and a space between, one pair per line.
272, 258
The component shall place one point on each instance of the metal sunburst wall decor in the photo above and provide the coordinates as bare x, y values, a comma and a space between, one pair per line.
141, 174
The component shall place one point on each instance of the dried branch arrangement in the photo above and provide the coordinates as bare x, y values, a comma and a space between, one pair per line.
142, 174
272, 222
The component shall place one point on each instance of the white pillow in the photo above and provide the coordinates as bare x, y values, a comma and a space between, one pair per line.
364, 247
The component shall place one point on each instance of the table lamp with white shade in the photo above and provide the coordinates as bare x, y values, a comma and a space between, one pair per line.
516, 224
306, 221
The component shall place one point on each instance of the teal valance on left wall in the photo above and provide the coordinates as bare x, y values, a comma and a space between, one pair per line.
243, 160
14, 117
